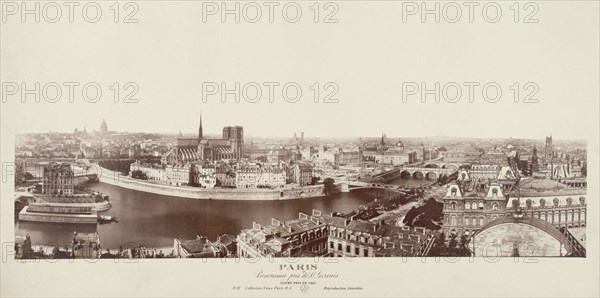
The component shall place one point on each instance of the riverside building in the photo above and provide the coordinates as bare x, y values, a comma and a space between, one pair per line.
328, 235
58, 180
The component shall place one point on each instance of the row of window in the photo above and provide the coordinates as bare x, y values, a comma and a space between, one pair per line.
561, 217
59, 182
555, 202
349, 236
473, 206
348, 249
570, 216
468, 220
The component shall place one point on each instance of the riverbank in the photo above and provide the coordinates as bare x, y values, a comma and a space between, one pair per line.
234, 194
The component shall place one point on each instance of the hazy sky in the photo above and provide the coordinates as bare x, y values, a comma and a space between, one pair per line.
369, 53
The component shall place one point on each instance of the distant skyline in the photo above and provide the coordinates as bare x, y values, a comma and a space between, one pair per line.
208, 131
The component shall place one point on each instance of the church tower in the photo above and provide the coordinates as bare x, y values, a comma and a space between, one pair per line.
200, 136
549, 149
103, 127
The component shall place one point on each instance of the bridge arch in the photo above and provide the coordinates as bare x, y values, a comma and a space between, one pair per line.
481, 240
405, 174
431, 175
418, 175
376, 187
450, 166
432, 166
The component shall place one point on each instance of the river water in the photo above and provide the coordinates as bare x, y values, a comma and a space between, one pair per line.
155, 220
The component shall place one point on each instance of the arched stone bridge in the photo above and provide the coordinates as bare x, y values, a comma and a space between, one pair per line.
354, 185
426, 172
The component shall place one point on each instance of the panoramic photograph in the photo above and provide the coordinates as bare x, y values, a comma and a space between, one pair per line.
309, 148
101, 193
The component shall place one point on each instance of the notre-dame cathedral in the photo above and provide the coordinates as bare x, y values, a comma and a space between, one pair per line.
230, 146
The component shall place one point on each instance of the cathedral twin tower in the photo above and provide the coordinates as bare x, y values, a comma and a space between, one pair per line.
229, 146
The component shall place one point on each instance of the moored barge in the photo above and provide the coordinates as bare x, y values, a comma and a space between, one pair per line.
59, 214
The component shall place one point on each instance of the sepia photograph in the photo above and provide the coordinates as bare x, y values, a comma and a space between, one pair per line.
302, 148
296, 197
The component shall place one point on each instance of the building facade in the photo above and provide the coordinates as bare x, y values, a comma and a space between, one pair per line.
559, 204
465, 212
257, 177
299, 173
328, 235
391, 157
350, 156
58, 180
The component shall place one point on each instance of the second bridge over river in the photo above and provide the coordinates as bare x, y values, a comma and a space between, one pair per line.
429, 171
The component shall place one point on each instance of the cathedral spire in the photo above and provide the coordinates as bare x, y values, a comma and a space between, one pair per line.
200, 136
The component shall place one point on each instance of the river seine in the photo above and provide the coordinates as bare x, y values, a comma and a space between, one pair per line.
155, 220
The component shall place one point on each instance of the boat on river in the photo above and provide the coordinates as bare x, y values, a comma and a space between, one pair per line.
103, 219
58, 214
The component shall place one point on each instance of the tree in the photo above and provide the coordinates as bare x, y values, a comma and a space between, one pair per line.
137, 174
314, 180
329, 185
439, 245
453, 243
426, 215
462, 245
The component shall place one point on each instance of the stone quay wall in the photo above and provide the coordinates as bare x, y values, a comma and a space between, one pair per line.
117, 179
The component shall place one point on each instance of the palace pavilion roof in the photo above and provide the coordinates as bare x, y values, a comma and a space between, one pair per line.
535, 187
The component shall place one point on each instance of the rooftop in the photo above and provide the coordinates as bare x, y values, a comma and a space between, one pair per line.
544, 187
196, 245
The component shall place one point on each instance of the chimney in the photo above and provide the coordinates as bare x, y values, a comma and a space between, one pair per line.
316, 212
275, 222
255, 226
302, 216
406, 247
314, 220
414, 238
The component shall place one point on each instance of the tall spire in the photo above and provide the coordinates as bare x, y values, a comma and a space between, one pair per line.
200, 136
